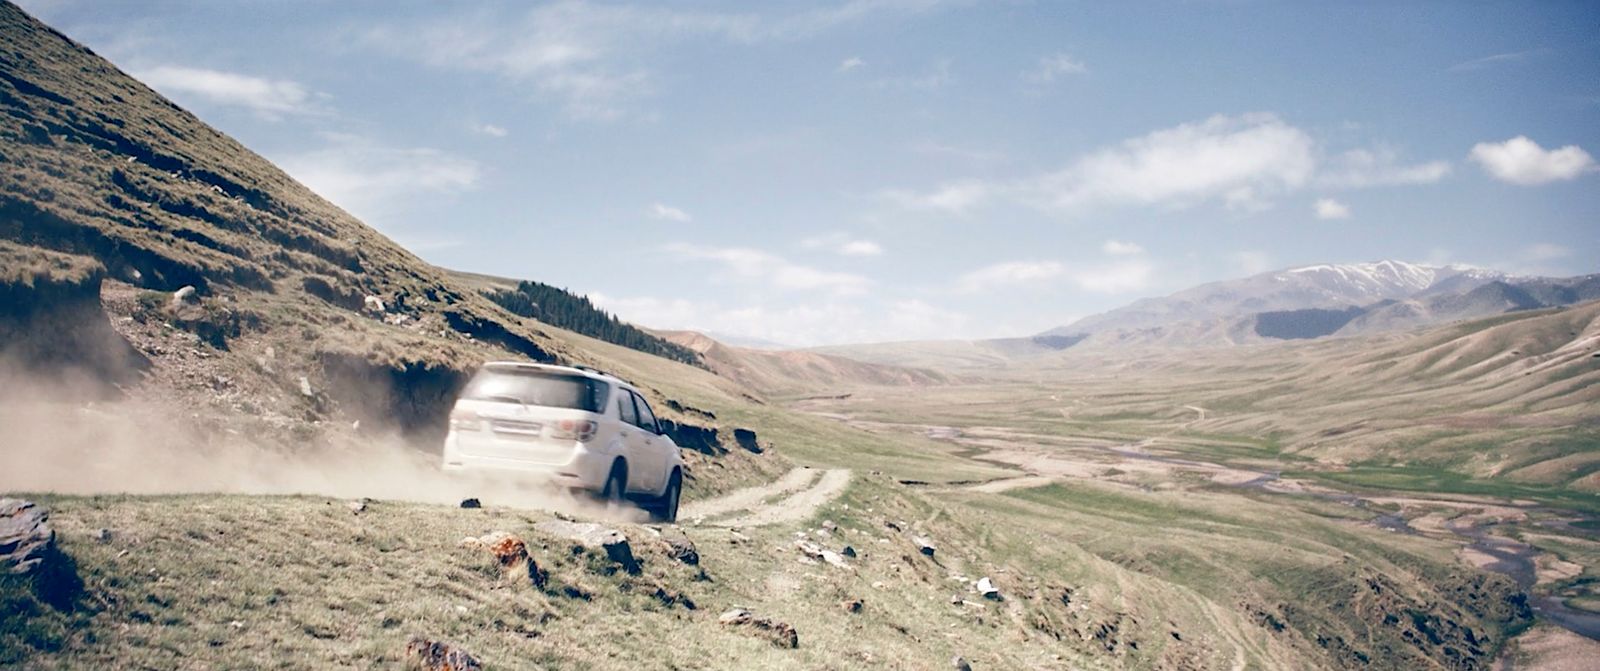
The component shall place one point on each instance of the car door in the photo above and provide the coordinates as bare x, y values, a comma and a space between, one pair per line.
653, 447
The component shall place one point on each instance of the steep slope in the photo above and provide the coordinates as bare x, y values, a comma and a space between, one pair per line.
228, 294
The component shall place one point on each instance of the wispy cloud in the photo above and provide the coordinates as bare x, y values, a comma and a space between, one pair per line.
1052, 67
1121, 248
1522, 161
372, 180
594, 58
753, 264
1244, 163
843, 245
271, 98
1380, 166
936, 77
1328, 208
669, 213
490, 130
851, 63
1112, 277
1497, 59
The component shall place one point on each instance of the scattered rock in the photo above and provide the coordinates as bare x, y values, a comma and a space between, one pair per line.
829, 526
782, 634
679, 546
987, 589
373, 303
103, 535
357, 507
511, 554
28, 549
959, 663
815, 551
184, 295
305, 387
26, 539
848, 552
471, 503
892, 526
591, 536
427, 655
924, 545
852, 606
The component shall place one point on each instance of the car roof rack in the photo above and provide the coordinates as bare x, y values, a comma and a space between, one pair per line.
594, 370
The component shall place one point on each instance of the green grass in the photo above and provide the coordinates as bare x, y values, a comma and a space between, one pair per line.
1439, 481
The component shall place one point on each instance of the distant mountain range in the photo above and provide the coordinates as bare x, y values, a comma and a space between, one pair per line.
1323, 300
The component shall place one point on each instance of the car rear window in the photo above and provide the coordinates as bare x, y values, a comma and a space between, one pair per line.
540, 388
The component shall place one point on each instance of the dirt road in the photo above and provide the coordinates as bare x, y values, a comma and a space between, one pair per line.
802, 492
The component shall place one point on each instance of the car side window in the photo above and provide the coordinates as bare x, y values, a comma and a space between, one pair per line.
625, 410
647, 418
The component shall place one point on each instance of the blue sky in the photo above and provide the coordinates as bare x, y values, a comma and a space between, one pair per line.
860, 170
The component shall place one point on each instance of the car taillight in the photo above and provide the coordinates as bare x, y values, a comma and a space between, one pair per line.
465, 420
581, 430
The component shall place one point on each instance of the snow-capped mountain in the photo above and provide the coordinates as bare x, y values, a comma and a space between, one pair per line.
1332, 286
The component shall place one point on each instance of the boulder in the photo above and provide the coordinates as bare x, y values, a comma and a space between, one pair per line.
427, 655
679, 546
26, 539
511, 554
782, 634
471, 503
28, 549
591, 536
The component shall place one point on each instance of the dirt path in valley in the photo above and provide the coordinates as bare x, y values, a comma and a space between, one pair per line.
805, 492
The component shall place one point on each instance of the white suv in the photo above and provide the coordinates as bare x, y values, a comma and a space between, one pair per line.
578, 427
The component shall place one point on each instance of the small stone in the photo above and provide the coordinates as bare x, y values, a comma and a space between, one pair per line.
103, 535
237, 624
848, 552
955, 599
829, 526
357, 507
471, 503
184, 295
428, 655
373, 303
959, 663
305, 387
987, 588
852, 606
679, 546
782, 634
924, 545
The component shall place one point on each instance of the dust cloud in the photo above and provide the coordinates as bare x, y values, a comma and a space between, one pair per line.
54, 440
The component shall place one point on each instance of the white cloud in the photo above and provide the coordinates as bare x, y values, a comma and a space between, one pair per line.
669, 213
1131, 273
1009, 273
1053, 66
1328, 208
1363, 168
372, 181
1520, 160
1120, 248
851, 63
594, 59
843, 245
954, 198
772, 269
490, 130
271, 98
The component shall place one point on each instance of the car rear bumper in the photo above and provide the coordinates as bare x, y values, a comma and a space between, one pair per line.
584, 469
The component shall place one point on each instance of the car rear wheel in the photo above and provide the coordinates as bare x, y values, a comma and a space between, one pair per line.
616, 487
665, 509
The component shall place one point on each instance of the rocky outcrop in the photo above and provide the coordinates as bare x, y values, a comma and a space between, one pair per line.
428, 655
28, 549
52, 322
782, 634
591, 537
511, 555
